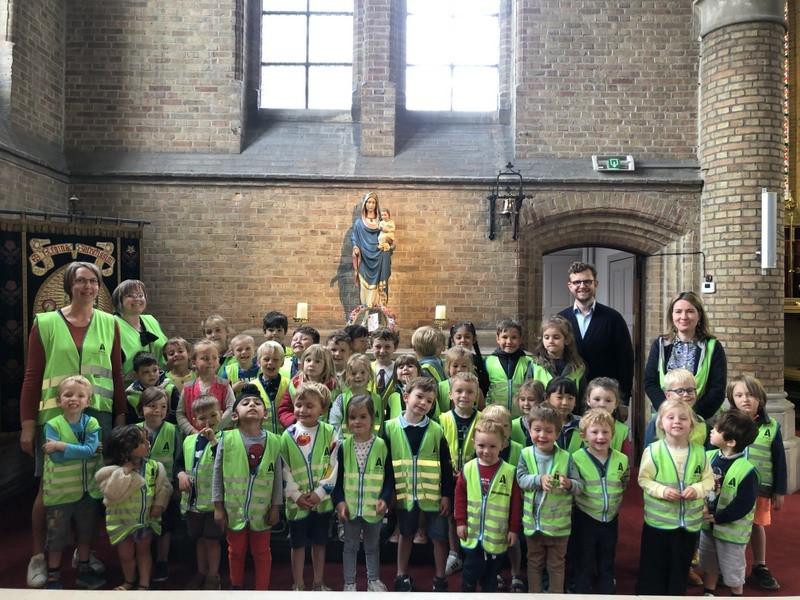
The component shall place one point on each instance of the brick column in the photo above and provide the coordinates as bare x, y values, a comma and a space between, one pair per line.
741, 152
377, 90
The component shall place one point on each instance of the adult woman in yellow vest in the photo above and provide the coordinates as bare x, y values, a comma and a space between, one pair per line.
688, 344
139, 332
74, 340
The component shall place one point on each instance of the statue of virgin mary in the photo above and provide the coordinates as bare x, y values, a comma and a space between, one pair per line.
372, 265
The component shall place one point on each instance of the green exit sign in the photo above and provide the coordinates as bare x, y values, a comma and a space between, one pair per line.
613, 163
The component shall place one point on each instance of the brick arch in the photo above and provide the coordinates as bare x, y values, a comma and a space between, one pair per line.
643, 224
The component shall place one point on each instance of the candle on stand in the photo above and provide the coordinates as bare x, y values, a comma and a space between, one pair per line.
302, 310
441, 312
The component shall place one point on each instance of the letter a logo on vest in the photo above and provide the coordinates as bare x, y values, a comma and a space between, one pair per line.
379, 462
620, 468
732, 482
271, 468
166, 446
503, 479
767, 433
102, 348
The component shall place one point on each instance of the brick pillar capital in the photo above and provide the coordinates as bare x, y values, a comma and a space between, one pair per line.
714, 14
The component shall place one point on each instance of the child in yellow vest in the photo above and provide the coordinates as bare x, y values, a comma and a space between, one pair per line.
341, 349
308, 449
428, 343
136, 491
423, 479
729, 508
487, 508
194, 481
176, 353
556, 354
604, 473
364, 487
549, 480
271, 383
165, 447
244, 367
384, 345
675, 476
508, 366
216, 329
561, 393
457, 360
529, 395
680, 384
458, 426
767, 455
511, 454
246, 489
68, 483
603, 393
358, 377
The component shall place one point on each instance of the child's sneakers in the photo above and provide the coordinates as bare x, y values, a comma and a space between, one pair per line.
87, 579
439, 584
320, 587
454, 564
160, 571
95, 564
761, 577
518, 585
37, 571
403, 583
349, 587
376, 585
420, 537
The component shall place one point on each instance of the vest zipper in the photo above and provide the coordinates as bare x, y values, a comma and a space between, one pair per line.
361, 475
143, 493
484, 499
604, 487
249, 495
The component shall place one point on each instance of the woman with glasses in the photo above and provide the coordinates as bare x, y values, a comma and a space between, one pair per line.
77, 339
688, 344
140, 332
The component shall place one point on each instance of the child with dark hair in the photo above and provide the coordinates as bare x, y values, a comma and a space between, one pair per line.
136, 491
275, 326
463, 334
561, 393
507, 366
729, 508
148, 374
303, 337
359, 338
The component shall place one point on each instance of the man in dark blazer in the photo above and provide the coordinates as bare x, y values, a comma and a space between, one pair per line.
601, 333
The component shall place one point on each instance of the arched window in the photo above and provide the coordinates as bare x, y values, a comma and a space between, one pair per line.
306, 54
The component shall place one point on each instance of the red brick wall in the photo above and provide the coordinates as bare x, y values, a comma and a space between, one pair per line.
603, 77
152, 75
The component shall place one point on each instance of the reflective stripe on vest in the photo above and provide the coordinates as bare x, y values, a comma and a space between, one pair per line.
460, 455
759, 453
601, 496
377, 423
362, 489
67, 481
703, 368
502, 389
163, 447
201, 471
547, 512
308, 474
63, 360
665, 514
487, 514
271, 414
133, 513
248, 495
432, 371
417, 477
738, 531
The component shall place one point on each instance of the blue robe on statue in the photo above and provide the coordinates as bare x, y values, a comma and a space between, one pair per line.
374, 265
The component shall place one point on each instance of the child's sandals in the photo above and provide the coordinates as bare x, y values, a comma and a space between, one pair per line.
125, 587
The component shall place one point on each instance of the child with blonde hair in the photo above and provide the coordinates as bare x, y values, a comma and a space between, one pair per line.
316, 365
205, 357
487, 508
456, 360
176, 353
675, 476
603, 393
270, 382
359, 381
604, 472
244, 367
68, 484
216, 328
308, 449
679, 384
428, 343
767, 455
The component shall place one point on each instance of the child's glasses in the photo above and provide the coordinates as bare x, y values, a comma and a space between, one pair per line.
684, 391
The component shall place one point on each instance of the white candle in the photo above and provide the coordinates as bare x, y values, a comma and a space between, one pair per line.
441, 312
302, 310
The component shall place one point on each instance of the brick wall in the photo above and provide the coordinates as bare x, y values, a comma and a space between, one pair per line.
27, 189
208, 250
741, 123
603, 77
152, 75
37, 88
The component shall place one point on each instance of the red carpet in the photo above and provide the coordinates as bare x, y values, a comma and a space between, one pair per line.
782, 545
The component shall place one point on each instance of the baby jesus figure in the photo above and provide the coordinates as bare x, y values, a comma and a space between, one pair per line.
386, 236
